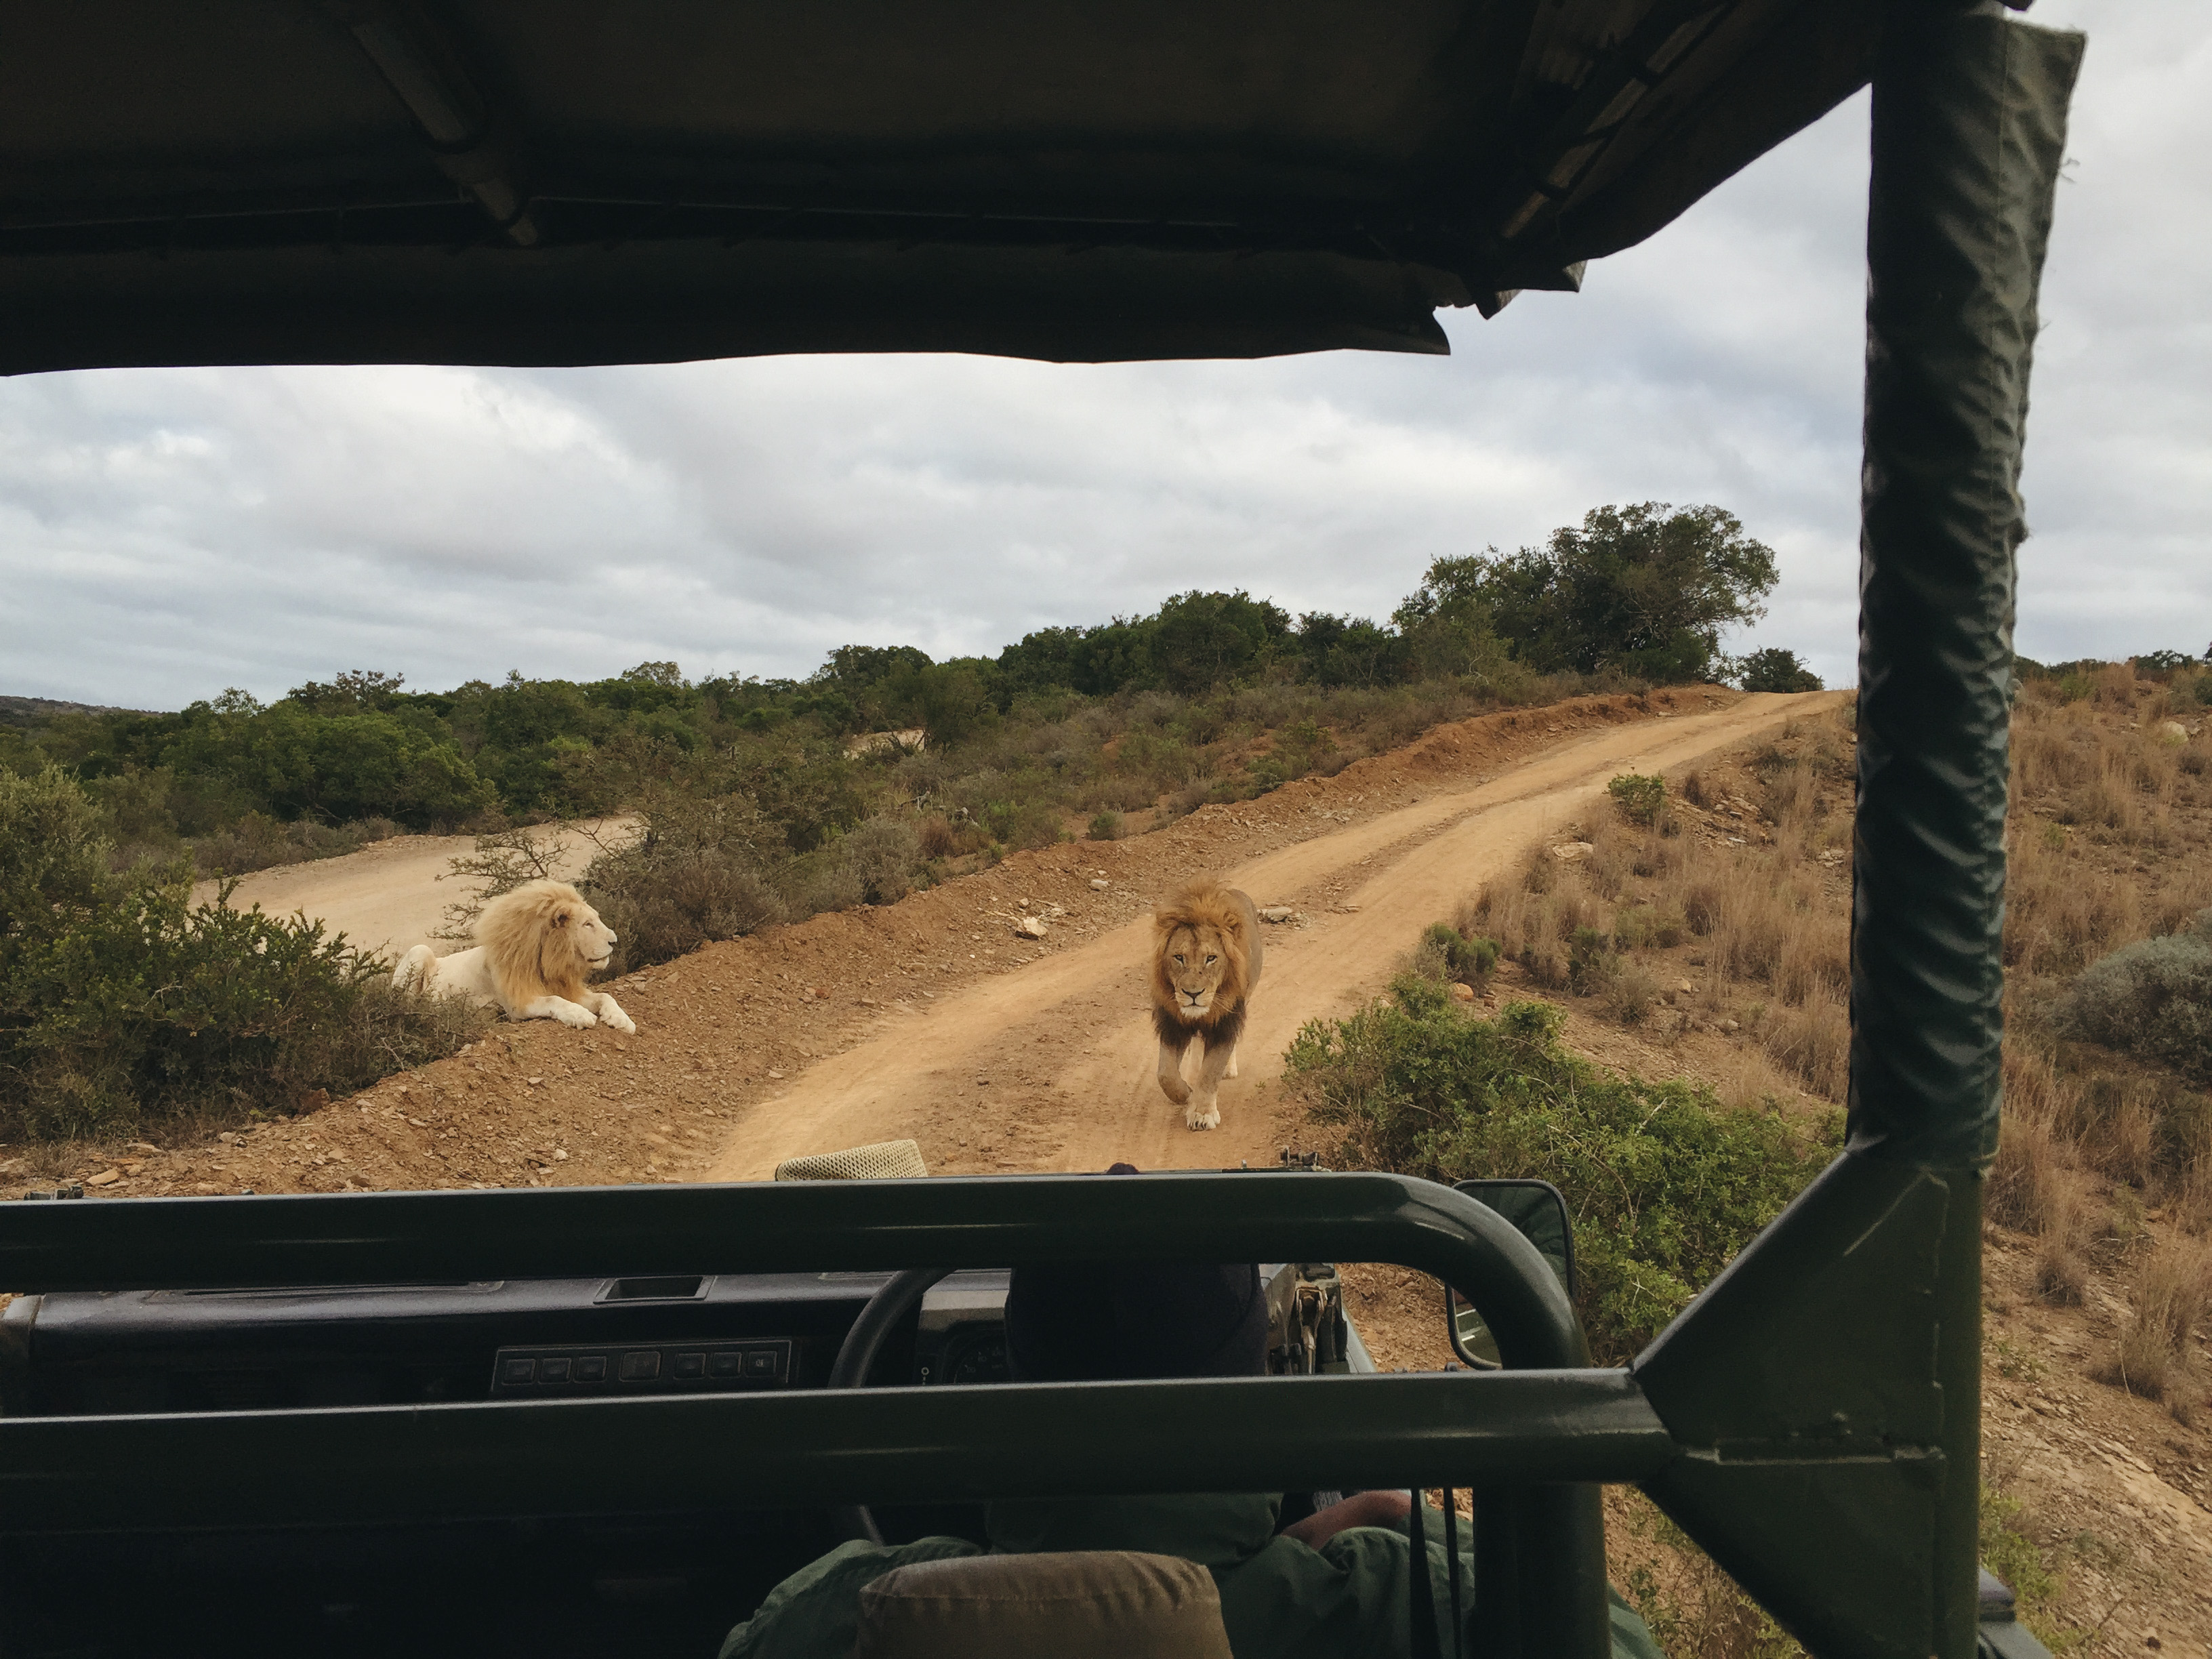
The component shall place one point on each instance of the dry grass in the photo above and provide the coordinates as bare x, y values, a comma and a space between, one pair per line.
2097, 795
2154, 1356
1739, 904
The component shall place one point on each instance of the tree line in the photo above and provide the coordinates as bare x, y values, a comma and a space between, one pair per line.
1640, 594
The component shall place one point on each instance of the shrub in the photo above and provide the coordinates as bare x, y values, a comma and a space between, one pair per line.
938, 837
2173, 1293
1640, 798
1446, 953
1775, 669
1631, 994
1663, 1185
1591, 962
500, 862
2152, 997
1106, 826
120, 1000
695, 874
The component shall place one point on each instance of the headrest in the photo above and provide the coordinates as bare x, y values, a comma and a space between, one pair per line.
882, 1160
1104, 1604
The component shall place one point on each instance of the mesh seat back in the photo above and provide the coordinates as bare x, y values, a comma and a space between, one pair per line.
1096, 1604
882, 1160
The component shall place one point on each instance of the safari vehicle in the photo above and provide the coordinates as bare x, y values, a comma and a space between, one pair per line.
579, 181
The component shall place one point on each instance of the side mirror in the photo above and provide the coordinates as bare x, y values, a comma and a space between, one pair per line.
1537, 1210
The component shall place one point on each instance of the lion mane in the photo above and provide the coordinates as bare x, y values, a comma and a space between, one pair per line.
529, 945
1204, 902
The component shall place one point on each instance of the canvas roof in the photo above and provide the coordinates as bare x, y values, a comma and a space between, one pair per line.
571, 181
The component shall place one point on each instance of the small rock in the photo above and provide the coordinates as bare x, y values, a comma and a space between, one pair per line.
534, 1081
418, 1123
1572, 852
104, 1178
775, 1074
1100, 884
1276, 913
139, 1146
227, 1138
1685, 986
560, 1155
2170, 732
1461, 993
1029, 927
1730, 1025
982, 1083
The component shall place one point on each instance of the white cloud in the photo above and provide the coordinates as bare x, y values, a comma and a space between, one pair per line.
165, 533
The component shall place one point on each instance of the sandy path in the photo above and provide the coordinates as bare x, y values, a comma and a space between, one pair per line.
387, 897
1068, 1036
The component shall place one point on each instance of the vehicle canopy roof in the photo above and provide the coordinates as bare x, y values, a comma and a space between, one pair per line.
573, 181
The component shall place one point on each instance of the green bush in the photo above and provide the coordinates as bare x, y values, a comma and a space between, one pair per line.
697, 873
121, 1001
1106, 826
1444, 952
1775, 669
1664, 1186
2153, 998
1640, 798
1590, 961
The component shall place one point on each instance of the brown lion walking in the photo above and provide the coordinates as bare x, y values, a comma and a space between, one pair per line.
1206, 960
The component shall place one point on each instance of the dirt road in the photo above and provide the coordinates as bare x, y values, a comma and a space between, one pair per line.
388, 898
1051, 1068
933, 1018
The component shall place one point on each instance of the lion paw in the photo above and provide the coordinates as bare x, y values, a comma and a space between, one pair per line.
1193, 1118
613, 1018
574, 1017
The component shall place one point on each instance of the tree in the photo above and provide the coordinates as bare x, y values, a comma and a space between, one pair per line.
1446, 621
1644, 590
356, 688
1775, 670
1202, 639
1348, 651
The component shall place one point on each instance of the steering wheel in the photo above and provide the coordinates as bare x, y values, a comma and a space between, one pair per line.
885, 1310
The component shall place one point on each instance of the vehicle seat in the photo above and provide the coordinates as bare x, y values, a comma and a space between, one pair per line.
1092, 1604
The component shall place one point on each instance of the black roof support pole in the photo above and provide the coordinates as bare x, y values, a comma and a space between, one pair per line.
1829, 1382
1969, 130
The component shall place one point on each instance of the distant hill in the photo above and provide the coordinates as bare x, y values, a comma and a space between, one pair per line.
27, 713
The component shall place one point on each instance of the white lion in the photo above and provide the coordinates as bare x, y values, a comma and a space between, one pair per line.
535, 946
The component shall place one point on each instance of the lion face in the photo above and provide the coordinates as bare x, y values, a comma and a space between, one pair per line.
1194, 961
591, 940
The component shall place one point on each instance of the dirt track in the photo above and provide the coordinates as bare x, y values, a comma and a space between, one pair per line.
933, 1018
388, 898
1068, 1040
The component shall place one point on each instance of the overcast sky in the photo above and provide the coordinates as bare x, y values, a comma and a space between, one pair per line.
166, 533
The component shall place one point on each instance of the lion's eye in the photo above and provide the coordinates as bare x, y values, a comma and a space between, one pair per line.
1178, 956
1210, 961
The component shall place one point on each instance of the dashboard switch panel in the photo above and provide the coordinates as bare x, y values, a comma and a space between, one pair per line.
678, 1367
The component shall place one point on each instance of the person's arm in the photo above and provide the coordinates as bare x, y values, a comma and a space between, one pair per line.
1362, 1508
